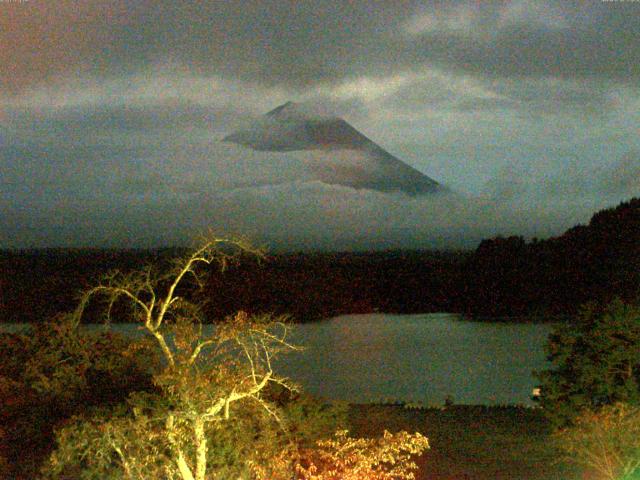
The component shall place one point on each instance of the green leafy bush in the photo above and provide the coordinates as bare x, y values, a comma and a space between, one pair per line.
596, 362
52, 372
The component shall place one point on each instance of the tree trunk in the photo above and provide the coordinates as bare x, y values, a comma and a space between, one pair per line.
183, 466
201, 448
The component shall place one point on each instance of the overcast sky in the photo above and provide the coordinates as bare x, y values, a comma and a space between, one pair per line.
112, 112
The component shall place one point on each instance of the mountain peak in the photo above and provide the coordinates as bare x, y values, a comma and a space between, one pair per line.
282, 108
298, 126
295, 111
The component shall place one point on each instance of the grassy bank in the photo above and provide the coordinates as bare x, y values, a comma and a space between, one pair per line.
473, 442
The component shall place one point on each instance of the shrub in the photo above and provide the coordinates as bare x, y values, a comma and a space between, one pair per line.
346, 458
310, 419
52, 372
596, 362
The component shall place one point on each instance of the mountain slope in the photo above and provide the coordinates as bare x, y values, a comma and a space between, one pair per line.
333, 150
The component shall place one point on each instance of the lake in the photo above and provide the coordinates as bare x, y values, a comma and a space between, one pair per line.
415, 358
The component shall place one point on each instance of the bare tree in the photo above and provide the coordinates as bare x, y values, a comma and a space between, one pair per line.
200, 377
209, 387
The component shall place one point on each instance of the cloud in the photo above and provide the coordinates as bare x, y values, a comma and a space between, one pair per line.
576, 187
304, 43
113, 182
544, 13
307, 215
459, 19
111, 113
623, 177
312, 43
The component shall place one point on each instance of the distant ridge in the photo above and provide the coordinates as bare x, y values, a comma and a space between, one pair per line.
344, 155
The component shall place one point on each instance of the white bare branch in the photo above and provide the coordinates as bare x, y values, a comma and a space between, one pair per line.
239, 353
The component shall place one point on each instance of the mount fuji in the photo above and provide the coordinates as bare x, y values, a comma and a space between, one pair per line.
334, 152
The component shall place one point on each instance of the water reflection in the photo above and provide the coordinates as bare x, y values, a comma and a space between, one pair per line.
419, 358
412, 358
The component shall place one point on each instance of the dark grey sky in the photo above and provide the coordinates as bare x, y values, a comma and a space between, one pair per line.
111, 114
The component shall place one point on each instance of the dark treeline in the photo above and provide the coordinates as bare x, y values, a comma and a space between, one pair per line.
503, 277
37, 284
311, 286
592, 263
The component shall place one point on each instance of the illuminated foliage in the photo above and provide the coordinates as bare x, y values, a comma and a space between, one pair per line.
606, 441
203, 382
346, 458
216, 409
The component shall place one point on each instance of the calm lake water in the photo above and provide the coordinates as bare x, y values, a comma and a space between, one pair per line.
415, 358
